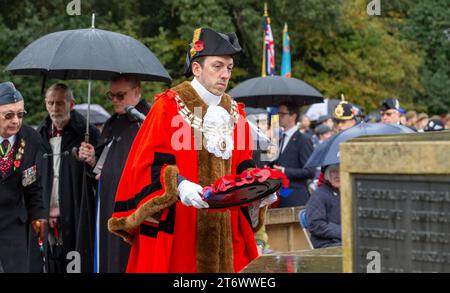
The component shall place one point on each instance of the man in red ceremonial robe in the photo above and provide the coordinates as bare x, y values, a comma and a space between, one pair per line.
193, 135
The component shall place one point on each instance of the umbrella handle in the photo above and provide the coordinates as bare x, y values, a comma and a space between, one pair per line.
86, 137
75, 154
75, 149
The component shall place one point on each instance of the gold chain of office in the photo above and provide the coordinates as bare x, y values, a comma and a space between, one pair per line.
196, 122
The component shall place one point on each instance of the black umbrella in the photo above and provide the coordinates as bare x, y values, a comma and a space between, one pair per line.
90, 54
327, 153
270, 91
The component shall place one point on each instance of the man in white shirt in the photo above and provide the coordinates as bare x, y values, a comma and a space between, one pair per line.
62, 180
294, 151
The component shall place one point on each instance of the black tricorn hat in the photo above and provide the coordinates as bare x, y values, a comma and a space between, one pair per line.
207, 42
343, 111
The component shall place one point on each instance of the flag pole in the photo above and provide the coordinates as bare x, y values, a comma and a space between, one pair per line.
263, 64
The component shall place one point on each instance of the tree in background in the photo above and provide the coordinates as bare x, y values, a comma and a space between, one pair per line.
338, 48
428, 24
335, 45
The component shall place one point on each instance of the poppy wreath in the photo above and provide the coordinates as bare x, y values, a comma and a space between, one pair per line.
248, 178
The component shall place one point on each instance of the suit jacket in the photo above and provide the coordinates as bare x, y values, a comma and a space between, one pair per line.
293, 158
19, 204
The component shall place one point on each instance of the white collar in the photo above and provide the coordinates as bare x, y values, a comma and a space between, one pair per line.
291, 131
207, 96
12, 139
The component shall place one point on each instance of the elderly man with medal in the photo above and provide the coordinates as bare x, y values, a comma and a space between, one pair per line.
185, 198
20, 188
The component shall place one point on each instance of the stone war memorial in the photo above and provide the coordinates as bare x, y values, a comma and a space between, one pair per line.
395, 200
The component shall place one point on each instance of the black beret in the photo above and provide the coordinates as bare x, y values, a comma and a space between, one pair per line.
9, 94
207, 42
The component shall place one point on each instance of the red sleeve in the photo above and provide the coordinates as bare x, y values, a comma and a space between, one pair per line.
143, 176
243, 144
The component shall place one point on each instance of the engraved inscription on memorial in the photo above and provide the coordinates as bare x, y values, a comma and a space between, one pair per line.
404, 218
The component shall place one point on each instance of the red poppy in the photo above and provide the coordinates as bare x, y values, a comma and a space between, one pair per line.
224, 183
17, 163
198, 46
247, 177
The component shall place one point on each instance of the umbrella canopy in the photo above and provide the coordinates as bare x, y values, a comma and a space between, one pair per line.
317, 110
327, 153
92, 54
98, 114
272, 90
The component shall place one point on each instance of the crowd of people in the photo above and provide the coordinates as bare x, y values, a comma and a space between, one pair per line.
389, 112
64, 182
129, 199
318, 189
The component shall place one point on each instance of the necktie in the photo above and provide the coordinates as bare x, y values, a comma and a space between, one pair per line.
5, 144
283, 138
5, 159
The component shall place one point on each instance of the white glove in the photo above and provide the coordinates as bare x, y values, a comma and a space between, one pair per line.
189, 194
268, 200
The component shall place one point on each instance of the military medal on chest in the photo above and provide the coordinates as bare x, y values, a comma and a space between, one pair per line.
19, 154
4, 152
29, 176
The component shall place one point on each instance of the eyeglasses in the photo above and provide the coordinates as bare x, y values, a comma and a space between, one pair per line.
10, 115
119, 96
